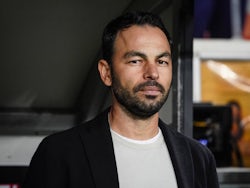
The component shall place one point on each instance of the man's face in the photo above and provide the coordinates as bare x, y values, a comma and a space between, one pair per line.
141, 70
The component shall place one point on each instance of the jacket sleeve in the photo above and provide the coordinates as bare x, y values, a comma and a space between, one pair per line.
46, 170
212, 179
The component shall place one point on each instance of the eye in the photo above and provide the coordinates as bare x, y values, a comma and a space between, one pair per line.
135, 62
162, 62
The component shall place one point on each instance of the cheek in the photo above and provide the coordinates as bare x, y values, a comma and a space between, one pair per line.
167, 78
128, 83
122, 79
127, 78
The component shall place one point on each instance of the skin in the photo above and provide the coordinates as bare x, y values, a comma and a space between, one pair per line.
141, 54
236, 120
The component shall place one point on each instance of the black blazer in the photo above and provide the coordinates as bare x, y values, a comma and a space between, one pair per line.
83, 157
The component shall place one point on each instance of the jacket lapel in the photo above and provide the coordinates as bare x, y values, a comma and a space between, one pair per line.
98, 145
180, 155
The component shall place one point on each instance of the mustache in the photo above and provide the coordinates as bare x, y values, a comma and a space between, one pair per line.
149, 83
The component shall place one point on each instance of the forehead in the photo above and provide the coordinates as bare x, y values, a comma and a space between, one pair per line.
140, 36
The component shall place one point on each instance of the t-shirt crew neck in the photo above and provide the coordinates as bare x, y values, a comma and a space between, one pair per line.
143, 163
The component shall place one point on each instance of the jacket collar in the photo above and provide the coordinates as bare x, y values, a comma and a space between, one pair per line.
180, 155
99, 149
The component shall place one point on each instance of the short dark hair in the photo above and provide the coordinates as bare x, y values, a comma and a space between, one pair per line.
125, 21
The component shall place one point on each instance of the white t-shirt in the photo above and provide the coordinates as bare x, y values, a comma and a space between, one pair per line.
143, 164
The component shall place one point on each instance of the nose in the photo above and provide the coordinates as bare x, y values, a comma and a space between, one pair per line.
150, 71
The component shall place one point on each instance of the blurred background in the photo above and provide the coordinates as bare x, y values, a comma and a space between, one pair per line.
221, 85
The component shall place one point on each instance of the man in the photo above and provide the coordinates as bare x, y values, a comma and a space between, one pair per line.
127, 146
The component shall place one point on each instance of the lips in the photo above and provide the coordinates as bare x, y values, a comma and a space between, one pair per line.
150, 88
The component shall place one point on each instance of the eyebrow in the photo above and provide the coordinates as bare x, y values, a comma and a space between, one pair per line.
144, 56
164, 54
133, 54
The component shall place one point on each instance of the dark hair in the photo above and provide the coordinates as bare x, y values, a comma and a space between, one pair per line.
125, 21
234, 103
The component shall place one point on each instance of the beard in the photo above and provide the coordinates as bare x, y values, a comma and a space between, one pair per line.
140, 107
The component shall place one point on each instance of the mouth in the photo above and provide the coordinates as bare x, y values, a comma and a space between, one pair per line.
150, 88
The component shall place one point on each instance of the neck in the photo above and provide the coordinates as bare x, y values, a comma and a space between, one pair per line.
134, 128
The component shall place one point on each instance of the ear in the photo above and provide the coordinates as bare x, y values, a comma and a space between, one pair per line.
105, 72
